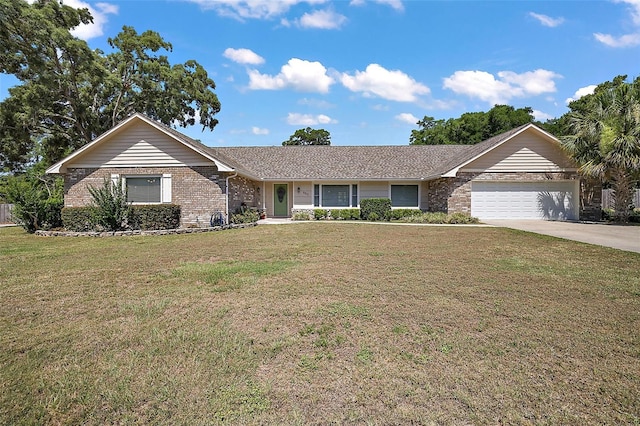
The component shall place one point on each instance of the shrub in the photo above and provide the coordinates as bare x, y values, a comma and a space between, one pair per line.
78, 219
609, 215
245, 216
301, 216
441, 218
350, 214
112, 211
399, 214
319, 214
37, 200
153, 217
380, 206
461, 218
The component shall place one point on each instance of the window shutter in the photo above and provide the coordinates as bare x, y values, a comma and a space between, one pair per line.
114, 179
166, 188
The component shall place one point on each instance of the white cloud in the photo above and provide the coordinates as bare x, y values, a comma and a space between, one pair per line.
485, 86
322, 19
408, 118
297, 74
259, 131
392, 85
583, 91
532, 82
243, 56
634, 9
316, 103
396, 4
627, 40
100, 18
296, 119
252, 9
541, 116
547, 21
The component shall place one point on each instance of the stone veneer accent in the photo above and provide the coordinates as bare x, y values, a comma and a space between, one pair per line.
199, 191
453, 195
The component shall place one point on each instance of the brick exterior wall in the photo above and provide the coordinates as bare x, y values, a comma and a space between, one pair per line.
453, 195
199, 191
243, 190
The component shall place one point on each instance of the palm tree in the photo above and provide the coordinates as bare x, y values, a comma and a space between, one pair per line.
605, 141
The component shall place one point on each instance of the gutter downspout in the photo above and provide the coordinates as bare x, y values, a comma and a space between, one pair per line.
226, 212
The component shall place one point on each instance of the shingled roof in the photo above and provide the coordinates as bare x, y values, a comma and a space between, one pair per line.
400, 162
391, 162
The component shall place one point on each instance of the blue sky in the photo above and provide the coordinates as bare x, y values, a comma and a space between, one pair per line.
367, 70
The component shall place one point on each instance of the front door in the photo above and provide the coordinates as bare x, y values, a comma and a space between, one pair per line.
280, 200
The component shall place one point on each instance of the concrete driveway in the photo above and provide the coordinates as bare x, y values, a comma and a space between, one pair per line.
622, 237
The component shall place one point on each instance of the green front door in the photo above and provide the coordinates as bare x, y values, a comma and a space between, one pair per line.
280, 200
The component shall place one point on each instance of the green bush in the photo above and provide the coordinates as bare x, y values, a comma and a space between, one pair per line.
78, 219
350, 214
37, 200
301, 216
380, 206
319, 214
608, 215
145, 217
112, 211
245, 216
150, 217
441, 218
399, 214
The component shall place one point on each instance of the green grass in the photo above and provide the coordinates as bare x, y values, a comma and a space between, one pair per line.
318, 323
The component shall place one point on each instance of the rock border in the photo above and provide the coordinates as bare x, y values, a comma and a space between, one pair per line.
138, 232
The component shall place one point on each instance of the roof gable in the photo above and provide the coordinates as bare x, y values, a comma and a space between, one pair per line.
493, 145
136, 140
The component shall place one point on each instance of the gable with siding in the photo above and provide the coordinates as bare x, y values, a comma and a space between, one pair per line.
139, 145
528, 151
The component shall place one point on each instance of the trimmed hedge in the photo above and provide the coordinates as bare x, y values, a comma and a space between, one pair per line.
399, 214
345, 214
78, 219
144, 217
375, 209
156, 216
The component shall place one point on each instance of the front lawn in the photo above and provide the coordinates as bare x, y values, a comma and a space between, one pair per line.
318, 323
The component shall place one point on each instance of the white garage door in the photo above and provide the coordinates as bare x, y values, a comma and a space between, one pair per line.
552, 200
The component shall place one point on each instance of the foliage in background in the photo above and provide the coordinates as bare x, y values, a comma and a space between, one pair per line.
375, 209
69, 94
112, 211
470, 128
309, 136
604, 138
37, 199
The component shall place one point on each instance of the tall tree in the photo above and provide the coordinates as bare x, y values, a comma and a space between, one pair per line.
470, 128
605, 140
309, 136
69, 93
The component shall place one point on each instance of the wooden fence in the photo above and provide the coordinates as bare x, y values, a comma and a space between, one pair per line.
607, 199
5, 213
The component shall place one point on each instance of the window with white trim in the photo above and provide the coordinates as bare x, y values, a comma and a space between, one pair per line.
404, 196
335, 195
151, 189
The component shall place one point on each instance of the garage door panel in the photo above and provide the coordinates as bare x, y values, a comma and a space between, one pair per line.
553, 200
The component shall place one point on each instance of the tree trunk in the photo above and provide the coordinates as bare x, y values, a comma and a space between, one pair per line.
623, 190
